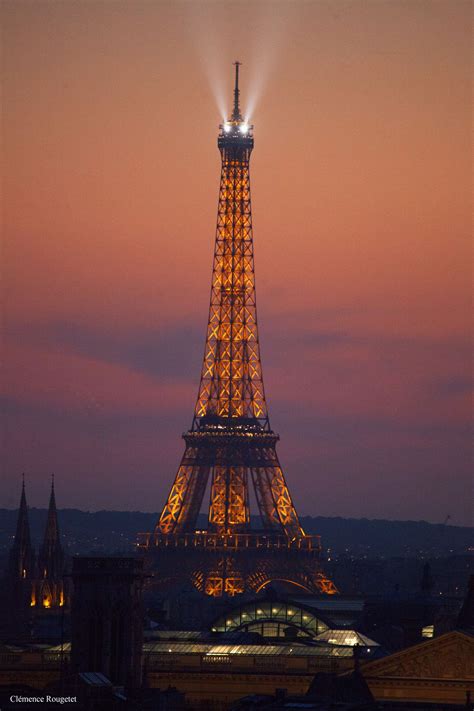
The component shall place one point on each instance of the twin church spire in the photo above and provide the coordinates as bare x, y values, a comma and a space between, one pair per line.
42, 574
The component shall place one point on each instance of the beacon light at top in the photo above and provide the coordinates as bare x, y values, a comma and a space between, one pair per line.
236, 125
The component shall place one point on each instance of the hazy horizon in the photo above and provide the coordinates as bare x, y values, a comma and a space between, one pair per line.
156, 513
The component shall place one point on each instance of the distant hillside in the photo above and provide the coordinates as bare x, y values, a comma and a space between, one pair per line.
390, 538
112, 531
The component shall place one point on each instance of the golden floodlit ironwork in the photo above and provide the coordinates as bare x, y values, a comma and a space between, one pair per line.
230, 443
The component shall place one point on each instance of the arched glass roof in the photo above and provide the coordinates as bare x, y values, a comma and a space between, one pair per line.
271, 618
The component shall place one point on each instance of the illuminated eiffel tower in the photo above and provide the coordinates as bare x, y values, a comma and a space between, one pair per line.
231, 441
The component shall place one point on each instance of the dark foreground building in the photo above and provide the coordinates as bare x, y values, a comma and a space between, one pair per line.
107, 619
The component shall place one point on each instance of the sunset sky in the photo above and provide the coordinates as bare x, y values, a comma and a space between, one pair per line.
361, 207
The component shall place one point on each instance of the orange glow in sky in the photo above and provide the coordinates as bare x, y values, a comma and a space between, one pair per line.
362, 225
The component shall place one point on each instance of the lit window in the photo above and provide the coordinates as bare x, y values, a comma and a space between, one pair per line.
270, 630
427, 632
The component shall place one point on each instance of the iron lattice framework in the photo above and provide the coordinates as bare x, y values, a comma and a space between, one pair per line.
230, 440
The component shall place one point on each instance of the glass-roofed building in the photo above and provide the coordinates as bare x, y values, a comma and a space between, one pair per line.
272, 619
289, 619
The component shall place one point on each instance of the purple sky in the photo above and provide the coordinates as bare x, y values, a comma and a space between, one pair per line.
362, 224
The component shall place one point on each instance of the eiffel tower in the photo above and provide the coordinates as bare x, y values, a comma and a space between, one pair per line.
231, 442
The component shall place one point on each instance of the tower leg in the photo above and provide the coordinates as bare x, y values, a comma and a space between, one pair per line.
182, 507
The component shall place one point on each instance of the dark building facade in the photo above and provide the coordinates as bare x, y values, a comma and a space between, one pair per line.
107, 618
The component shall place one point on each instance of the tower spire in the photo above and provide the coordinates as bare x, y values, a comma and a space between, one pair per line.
22, 536
21, 554
51, 534
236, 115
51, 559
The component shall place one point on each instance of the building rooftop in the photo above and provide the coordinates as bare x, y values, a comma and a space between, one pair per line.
209, 650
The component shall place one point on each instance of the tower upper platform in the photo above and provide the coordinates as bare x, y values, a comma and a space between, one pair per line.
236, 131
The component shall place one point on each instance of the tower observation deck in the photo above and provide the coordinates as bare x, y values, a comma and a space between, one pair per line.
231, 445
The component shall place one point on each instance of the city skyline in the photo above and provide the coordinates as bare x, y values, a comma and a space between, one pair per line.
360, 183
